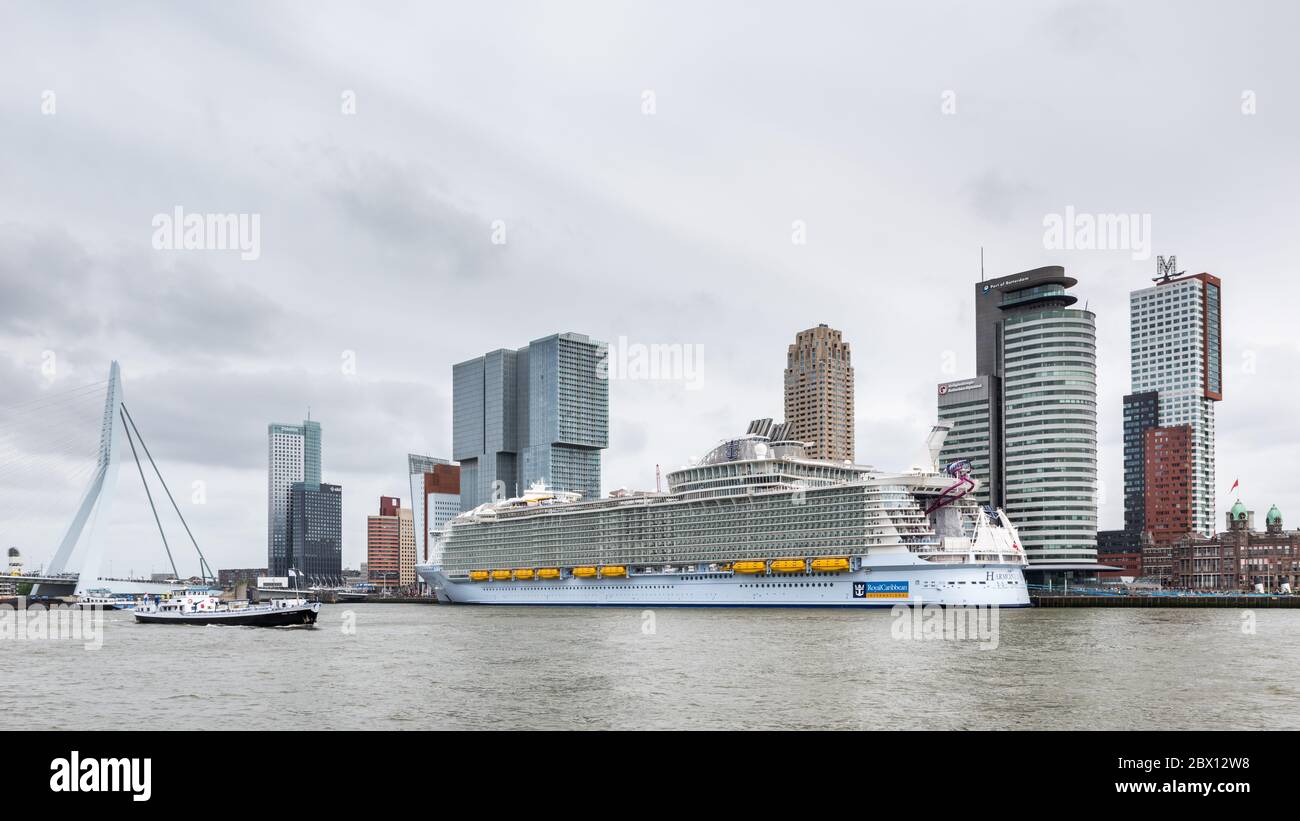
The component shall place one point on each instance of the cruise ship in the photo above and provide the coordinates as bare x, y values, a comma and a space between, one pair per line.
755, 523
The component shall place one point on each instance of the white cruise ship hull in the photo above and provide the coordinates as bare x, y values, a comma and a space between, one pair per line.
879, 586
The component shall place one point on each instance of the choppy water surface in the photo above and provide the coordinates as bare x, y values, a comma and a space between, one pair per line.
433, 667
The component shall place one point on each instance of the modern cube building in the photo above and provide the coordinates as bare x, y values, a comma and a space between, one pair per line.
540, 413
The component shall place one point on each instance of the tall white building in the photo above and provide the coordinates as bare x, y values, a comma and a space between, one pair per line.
1176, 351
293, 455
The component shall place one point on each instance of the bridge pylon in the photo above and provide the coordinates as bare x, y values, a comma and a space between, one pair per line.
96, 507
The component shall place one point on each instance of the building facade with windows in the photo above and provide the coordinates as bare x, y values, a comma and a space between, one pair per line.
540, 413
1169, 485
435, 498
316, 533
293, 455
384, 545
1036, 360
972, 406
1239, 558
1141, 413
1176, 364
819, 393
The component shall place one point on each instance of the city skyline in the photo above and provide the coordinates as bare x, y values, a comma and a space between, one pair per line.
672, 227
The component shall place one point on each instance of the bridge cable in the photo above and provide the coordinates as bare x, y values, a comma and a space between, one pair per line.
203, 562
156, 520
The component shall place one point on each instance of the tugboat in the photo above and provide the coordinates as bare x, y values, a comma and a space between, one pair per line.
199, 606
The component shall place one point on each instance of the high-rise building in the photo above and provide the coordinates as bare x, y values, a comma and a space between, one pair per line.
538, 413
1141, 413
417, 467
974, 407
406, 547
819, 393
1028, 421
384, 544
315, 533
293, 455
435, 498
1176, 363
390, 545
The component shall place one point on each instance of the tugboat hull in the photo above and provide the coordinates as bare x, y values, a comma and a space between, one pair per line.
284, 617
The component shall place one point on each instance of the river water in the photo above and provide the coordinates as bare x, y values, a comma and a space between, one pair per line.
406, 666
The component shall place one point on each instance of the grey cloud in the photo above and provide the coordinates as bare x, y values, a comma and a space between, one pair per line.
43, 277
55, 287
995, 197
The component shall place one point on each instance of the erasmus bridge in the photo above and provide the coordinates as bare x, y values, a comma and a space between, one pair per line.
77, 564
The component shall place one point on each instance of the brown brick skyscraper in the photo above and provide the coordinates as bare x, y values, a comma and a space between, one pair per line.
819, 393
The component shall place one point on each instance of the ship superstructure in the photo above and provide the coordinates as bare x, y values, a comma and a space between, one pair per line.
755, 522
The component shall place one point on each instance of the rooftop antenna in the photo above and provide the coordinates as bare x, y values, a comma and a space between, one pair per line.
981, 263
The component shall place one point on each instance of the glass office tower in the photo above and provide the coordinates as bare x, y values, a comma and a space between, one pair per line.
540, 413
315, 534
293, 455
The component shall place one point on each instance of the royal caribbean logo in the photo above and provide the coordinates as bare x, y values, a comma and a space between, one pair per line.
880, 590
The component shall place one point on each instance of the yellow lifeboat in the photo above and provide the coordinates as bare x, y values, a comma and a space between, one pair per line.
500, 575
831, 564
548, 573
478, 575
611, 570
749, 567
789, 566
523, 573
584, 572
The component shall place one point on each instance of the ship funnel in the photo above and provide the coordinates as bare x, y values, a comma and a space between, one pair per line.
934, 442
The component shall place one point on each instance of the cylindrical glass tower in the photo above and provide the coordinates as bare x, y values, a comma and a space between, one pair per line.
1049, 366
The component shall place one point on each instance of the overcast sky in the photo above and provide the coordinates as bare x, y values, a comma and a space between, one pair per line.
650, 165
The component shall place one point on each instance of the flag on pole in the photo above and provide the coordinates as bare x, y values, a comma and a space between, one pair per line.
1234, 485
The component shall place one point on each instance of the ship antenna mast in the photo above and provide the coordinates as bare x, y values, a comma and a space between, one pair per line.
658, 481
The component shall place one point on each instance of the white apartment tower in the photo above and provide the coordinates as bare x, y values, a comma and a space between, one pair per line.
1177, 352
